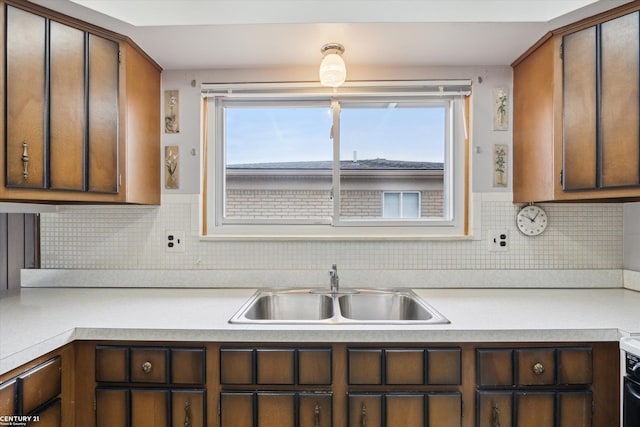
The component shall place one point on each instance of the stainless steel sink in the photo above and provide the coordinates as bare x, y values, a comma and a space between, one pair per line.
353, 306
290, 306
395, 306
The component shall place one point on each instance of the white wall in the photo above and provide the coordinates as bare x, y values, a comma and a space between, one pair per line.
631, 233
483, 137
579, 236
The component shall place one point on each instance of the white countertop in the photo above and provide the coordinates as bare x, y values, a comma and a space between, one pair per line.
36, 321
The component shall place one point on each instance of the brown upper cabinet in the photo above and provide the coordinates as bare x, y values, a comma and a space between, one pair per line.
82, 118
576, 111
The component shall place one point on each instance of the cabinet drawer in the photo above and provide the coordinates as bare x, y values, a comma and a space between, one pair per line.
236, 366
275, 366
444, 366
40, 385
112, 364
365, 366
314, 366
405, 366
187, 366
148, 365
575, 365
8, 397
536, 366
494, 367
119, 364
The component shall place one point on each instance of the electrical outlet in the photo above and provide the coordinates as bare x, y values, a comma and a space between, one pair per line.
498, 241
174, 241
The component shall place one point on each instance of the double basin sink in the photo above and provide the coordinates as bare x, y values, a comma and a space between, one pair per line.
351, 306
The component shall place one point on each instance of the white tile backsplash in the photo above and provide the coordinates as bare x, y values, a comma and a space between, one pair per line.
579, 236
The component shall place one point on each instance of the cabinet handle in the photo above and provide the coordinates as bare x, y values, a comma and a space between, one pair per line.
496, 416
316, 416
363, 417
187, 414
538, 368
146, 367
25, 160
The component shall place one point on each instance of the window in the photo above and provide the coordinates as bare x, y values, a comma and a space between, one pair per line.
369, 162
400, 204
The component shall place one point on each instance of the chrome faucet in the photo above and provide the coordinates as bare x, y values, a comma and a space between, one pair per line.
335, 280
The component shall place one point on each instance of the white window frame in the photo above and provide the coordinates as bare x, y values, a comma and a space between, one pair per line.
401, 200
217, 227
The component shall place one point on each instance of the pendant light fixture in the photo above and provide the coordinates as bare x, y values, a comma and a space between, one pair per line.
333, 72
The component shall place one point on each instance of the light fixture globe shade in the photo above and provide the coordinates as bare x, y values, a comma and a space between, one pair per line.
333, 72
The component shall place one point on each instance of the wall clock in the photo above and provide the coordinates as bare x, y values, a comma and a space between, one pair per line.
531, 220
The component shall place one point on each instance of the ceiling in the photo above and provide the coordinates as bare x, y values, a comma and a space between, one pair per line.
222, 34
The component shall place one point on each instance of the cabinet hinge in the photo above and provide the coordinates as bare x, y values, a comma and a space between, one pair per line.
95, 406
562, 51
561, 176
119, 180
119, 56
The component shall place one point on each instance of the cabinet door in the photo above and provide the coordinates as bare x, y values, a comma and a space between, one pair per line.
494, 408
580, 110
535, 409
8, 398
444, 409
40, 385
236, 409
365, 410
149, 408
575, 409
112, 407
25, 99
67, 107
619, 108
49, 416
276, 409
315, 410
407, 410
188, 408
103, 115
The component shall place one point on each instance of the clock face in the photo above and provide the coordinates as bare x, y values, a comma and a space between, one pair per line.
531, 220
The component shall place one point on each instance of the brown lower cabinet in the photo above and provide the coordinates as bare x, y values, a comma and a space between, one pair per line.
34, 393
405, 409
276, 409
123, 407
173, 384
